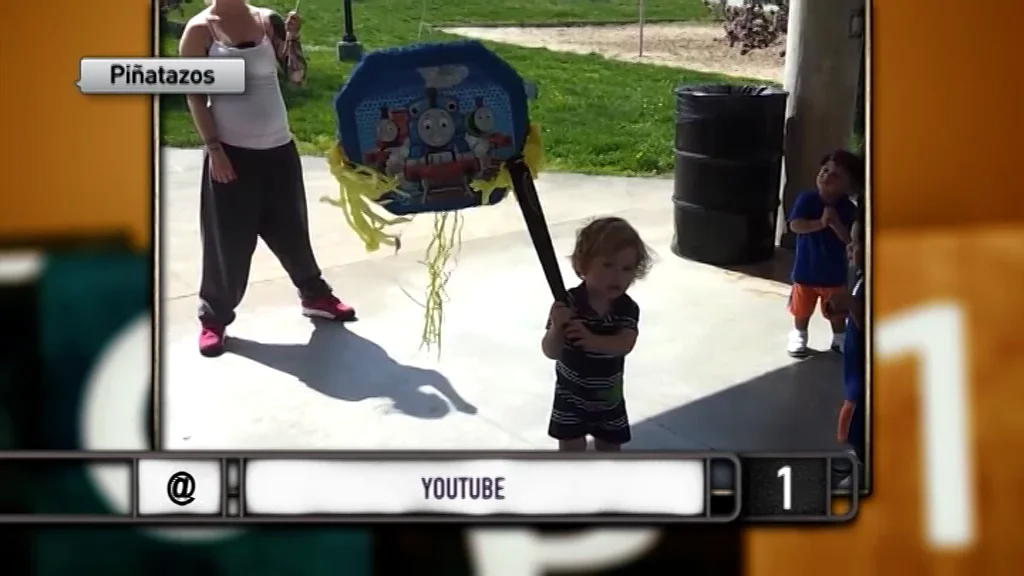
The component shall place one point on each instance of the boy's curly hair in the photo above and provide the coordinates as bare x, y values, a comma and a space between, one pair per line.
606, 237
851, 163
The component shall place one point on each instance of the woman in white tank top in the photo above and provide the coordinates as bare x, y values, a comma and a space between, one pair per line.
252, 176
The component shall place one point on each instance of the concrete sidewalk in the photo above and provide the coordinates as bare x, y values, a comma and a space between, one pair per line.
710, 370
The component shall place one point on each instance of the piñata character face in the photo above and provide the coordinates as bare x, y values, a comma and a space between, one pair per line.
436, 118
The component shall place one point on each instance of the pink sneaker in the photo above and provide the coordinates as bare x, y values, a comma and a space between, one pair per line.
328, 307
211, 340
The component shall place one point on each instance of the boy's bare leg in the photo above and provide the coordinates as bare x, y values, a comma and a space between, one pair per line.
802, 301
838, 333
801, 324
838, 325
602, 446
574, 445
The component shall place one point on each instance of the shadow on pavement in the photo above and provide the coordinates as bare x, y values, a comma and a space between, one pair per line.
777, 269
343, 365
790, 409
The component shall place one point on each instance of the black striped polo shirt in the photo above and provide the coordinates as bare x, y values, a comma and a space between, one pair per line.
591, 379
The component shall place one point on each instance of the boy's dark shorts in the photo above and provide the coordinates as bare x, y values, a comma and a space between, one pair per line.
571, 422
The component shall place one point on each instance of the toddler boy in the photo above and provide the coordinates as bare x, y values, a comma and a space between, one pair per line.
821, 219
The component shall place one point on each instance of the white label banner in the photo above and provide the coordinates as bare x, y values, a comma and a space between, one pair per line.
475, 487
161, 76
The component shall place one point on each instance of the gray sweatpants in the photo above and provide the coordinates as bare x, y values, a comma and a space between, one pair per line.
267, 200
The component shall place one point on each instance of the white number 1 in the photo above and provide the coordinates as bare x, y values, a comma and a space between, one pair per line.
787, 487
934, 334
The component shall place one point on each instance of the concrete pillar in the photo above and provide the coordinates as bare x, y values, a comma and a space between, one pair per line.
823, 62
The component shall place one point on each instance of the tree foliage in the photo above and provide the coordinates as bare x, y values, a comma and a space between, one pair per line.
169, 5
754, 25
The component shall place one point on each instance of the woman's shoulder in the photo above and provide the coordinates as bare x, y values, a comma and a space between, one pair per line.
266, 13
198, 31
271, 19
202, 18
200, 22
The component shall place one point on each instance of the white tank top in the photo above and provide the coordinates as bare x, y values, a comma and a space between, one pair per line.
256, 119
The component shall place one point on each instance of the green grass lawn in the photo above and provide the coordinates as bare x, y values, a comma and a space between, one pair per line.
598, 115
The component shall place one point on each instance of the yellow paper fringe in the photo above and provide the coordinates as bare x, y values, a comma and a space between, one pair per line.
361, 187
533, 156
444, 245
533, 150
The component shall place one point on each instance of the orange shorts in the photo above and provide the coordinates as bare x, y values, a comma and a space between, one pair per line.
803, 299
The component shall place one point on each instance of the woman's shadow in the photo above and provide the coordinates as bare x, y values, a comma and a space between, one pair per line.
343, 365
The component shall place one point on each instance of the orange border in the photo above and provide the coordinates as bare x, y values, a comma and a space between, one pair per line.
943, 108
945, 115
72, 164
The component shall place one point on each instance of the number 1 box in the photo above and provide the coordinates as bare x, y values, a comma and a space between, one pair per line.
780, 487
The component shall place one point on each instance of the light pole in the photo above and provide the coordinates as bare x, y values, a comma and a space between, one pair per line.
349, 49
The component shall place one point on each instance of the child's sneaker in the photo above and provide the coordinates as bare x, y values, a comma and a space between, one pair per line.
797, 346
838, 342
211, 340
329, 307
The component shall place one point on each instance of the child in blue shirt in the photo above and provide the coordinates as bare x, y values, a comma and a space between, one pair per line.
821, 219
852, 423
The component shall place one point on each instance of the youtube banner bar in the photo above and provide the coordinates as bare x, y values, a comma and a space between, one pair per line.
475, 488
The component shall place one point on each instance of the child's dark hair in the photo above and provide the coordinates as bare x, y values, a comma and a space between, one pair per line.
606, 237
851, 163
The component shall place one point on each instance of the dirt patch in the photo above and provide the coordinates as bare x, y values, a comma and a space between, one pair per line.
700, 47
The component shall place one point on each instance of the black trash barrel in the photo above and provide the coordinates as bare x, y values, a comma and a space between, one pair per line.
729, 142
